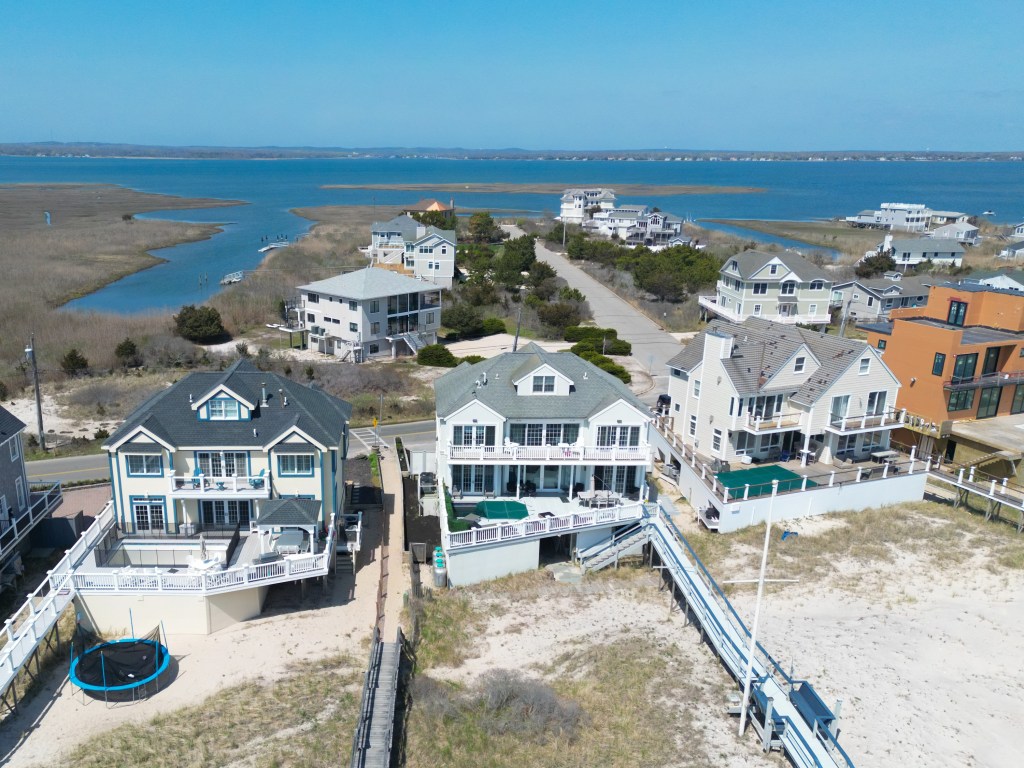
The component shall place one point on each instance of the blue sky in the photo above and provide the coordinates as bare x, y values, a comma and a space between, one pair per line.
707, 74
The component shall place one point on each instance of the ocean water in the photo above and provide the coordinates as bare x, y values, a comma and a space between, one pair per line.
793, 191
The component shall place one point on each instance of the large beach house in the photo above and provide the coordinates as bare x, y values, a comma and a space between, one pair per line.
781, 287
222, 484
544, 443
371, 312
578, 205
872, 298
409, 247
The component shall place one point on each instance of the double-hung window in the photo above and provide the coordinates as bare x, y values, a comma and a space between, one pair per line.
223, 409
295, 464
543, 383
144, 464
15, 447
760, 289
222, 463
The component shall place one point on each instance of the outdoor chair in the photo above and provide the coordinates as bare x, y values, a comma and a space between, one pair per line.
257, 482
784, 456
197, 478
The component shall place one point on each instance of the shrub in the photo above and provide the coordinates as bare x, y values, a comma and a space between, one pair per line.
243, 349
608, 365
4, 392
100, 434
875, 265
472, 359
464, 319
436, 355
581, 332
603, 346
74, 363
199, 324
559, 314
127, 353
493, 325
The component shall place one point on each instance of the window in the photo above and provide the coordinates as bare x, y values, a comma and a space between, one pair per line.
881, 343
757, 310
716, 440
964, 366
938, 364
310, 317
353, 305
1017, 406
353, 327
676, 407
812, 309
312, 298
225, 514
957, 312
865, 365
734, 266
773, 269
223, 409
374, 306
696, 387
961, 401
798, 364
426, 249
543, 383
222, 463
618, 436
871, 301
374, 329
988, 402
817, 285
846, 444
444, 251
295, 465
1022, 352
15, 447
144, 464
760, 289
20, 490
788, 288
374, 349
876, 403
856, 297
429, 318
477, 434
840, 405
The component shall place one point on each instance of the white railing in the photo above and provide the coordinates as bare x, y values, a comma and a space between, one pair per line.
711, 304
788, 420
28, 625
186, 485
890, 418
210, 582
559, 454
539, 527
13, 531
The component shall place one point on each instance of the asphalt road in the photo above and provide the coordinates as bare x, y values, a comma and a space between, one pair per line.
653, 347
418, 435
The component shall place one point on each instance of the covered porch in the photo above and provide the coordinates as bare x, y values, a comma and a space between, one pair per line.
566, 482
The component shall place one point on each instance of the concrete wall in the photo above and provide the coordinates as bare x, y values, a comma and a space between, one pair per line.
180, 614
491, 563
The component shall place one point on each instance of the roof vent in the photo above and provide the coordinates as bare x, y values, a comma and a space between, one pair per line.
281, 393
190, 397
484, 378
584, 375
254, 434
263, 394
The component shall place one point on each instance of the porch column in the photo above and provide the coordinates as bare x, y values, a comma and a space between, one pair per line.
807, 438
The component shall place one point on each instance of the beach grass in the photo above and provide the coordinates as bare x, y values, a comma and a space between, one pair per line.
849, 241
307, 718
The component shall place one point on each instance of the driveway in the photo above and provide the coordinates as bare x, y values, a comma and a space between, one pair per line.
653, 347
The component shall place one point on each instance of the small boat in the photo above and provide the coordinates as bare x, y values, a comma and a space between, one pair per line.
988, 213
272, 246
234, 277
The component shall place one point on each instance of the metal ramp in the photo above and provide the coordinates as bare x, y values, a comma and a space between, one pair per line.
371, 747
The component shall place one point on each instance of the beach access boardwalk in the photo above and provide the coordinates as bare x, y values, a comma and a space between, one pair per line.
374, 738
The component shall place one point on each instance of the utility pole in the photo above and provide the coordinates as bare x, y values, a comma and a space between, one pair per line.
757, 613
380, 419
30, 351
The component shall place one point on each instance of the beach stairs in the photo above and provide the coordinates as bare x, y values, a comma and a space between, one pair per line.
988, 458
375, 732
414, 340
623, 543
345, 562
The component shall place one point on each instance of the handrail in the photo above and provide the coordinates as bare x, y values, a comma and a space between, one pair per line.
972, 382
370, 680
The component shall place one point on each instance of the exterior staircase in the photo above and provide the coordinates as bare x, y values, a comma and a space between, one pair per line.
988, 458
414, 340
628, 541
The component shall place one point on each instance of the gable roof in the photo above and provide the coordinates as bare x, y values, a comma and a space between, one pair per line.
763, 347
593, 389
444, 234
911, 285
752, 262
1016, 275
368, 283
284, 512
428, 204
406, 225
937, 244
10, 425
168, 416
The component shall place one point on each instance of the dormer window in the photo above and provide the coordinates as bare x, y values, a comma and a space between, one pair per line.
223, 409
543, 384
817, 285
734, 266
798, 364
773, 269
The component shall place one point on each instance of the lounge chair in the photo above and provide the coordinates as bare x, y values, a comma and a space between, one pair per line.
257, 482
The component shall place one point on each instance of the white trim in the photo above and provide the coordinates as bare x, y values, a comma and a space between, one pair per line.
221, 388
139, 430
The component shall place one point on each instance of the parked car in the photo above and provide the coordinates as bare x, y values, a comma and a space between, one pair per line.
664, 403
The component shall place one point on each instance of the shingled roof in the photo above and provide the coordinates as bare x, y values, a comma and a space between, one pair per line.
593, 389
169, 415
752, 262
10, 425
761, 347
368, 283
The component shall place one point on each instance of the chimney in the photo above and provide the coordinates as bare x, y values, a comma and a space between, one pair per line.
263, 394
281, 393
721, 344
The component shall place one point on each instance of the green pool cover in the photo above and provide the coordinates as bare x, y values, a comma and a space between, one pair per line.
760, 481
502, 510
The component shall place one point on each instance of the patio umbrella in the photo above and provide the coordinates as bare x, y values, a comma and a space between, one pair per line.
202, 546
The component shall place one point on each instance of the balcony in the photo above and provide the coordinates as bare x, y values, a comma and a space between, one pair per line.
512, 453
763, 425
994, 379
215, 487
850, 425
710, 303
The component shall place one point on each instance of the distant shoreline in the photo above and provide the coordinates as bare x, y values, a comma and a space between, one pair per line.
547, 188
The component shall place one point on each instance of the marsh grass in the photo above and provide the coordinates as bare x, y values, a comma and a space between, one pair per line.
111, 397
307, 718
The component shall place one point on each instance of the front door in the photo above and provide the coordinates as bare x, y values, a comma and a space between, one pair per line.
988, 402
991, 360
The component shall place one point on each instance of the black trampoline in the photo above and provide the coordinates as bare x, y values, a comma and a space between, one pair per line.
122, 670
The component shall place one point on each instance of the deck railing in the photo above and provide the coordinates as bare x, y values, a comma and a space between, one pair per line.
890, 418
250, 485
41, 504
559, 454
540, 526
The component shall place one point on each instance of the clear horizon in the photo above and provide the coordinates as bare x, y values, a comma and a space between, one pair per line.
740, 76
